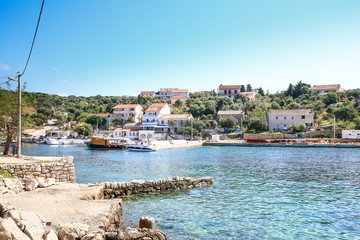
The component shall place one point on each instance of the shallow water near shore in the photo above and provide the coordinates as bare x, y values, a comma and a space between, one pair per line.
258, 193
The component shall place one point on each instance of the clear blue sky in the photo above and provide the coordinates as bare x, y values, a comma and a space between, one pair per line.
115, 47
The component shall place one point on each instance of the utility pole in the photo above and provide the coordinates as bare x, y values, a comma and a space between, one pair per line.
19, 113
334, 127
191, 129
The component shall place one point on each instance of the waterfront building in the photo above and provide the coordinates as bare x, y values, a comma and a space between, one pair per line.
325, 89
238, 114
350, 134
229, 90
282, 119
132, 134
153, 112
148, 93
167, 93
172, 122
128, 111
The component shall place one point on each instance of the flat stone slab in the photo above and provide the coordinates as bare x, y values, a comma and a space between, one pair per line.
67, 202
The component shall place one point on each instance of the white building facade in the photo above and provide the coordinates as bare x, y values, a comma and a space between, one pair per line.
282, 119
126, 111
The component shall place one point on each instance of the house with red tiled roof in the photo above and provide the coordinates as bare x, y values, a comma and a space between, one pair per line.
127, 112
148, 93
325, 89
229, 90
181, 98
133, 134
172, 122
153, 112
167, 93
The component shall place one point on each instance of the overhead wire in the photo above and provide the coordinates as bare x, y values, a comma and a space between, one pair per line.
33, 42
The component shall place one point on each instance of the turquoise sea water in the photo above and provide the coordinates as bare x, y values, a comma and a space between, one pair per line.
258, 193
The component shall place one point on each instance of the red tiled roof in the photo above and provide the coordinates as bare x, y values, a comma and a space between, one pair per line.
105, 115
158, 105
153, 110
148, 92
126, 105
178, 97
229, 86
121, 129
325, 87
175, 116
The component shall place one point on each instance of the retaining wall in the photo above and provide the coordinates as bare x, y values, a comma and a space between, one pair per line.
119, 189
62, 170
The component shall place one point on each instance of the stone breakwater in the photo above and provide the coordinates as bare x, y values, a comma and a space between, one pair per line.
62, 170
120, 189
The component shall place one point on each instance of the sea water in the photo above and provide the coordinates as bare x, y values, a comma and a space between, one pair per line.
258, 193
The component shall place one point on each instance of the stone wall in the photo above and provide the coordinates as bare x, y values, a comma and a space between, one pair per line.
119, 189
61, 171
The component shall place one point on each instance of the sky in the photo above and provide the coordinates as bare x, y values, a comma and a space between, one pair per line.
118, 47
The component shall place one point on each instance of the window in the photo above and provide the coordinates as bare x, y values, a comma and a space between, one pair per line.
235, 91
277, 118
303, 117
225, 91
292, 118
284, 117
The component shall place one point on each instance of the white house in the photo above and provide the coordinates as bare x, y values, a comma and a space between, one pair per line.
133, 134
282, 119
148, 93
229, 90
167, 93
153, 112
325, 89
350, 134
172, 122
126, 111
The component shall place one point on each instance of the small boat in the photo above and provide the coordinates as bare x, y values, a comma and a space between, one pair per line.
140, 148
52, 141
107, 143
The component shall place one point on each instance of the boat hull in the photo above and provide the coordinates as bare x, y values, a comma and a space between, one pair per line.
97, 146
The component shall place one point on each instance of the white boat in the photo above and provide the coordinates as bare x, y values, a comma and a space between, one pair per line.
64, 141
140, 148
52, 141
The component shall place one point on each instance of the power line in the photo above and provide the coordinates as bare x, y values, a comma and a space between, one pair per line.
33, 42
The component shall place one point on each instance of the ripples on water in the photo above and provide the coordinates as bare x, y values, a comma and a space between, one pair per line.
259, 193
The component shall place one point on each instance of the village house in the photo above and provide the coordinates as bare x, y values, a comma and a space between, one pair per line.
229, 90
325, 89
132, 134
282, 119
350, 134
172, 122
148, 93
167, 93
238, 114
107, 116
128, 111
181, 98
250, 95
153, 112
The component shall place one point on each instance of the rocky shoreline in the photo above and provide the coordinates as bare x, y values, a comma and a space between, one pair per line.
40, 207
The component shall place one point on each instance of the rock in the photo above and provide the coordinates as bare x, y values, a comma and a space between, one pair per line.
147, 222
72, 231
31, 184
13, 184
5, 208
51, 235
31, 223
50, 181
41, 182
10, 231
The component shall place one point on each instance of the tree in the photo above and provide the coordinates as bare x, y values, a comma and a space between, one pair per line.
84, 129
96, 120
109, 108
248, 88
346, 113
228, 122
298, 127
172, 123
331, 98
242, 88
261, 92
255, 124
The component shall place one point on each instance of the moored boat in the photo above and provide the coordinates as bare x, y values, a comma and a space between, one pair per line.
52, 141
107, 143
140, 148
